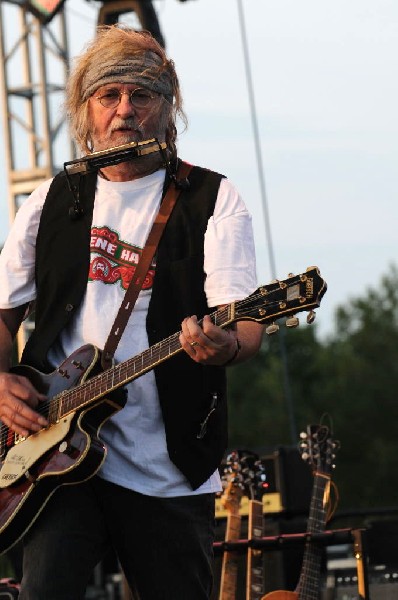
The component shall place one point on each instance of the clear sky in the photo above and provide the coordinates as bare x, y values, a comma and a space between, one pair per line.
325, 86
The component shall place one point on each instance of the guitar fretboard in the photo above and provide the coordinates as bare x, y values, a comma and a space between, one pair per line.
255, 574
309, 583
121, 374
229, 570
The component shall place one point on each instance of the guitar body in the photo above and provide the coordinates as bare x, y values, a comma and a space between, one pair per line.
66, 453
281, 595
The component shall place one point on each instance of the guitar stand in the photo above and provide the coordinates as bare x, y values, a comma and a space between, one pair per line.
359, 536
355, 537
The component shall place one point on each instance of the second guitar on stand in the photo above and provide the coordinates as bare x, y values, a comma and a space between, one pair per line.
317, 448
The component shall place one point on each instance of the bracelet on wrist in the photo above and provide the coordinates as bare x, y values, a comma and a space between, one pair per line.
235, 354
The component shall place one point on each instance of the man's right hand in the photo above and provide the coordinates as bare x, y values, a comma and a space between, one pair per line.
18, 399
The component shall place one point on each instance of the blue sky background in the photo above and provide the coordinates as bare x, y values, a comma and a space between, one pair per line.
326, 95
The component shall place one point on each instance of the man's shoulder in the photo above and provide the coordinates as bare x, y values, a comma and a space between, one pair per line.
205, 171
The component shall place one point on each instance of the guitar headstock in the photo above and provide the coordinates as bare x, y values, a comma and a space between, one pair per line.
232, 483
244, 475
254, 475
284, 298
318, 448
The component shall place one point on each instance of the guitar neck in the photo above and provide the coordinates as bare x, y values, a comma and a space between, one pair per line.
119, 375
265, 305
229, 569
255, 571
309, 583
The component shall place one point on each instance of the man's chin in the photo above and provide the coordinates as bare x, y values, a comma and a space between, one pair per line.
118, 138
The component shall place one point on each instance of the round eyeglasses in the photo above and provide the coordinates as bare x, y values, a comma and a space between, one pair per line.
139, 98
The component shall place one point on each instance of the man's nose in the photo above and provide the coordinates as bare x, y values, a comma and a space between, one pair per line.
125, 105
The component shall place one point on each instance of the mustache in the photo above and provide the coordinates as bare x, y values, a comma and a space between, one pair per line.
129, 123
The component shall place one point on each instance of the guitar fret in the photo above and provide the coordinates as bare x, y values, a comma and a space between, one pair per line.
52, 414
221, 315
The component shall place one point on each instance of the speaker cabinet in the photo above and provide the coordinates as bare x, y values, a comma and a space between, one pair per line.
291, 477
289, 485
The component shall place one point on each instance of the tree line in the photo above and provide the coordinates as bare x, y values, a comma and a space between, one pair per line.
352, 376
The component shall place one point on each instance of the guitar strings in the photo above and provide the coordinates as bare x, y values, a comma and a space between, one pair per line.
117, 376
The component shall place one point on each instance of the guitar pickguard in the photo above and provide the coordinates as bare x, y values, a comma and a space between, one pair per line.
26, 453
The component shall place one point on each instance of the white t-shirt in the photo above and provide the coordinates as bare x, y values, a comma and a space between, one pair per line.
123, 214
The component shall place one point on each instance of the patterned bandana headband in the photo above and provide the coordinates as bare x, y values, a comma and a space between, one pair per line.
144, 70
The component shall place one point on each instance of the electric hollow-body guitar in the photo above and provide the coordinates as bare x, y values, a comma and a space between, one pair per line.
81, 397
317, 448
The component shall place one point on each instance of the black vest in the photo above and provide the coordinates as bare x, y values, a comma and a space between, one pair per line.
188, 392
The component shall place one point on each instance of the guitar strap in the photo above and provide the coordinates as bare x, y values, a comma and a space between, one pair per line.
136, 283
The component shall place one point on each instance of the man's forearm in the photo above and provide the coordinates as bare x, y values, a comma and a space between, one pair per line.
249, 334
10, 321
6, 345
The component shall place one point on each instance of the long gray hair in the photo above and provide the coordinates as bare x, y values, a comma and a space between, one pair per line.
134, 54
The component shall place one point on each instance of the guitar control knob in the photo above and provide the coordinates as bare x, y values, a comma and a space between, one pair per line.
63, 446
271, 329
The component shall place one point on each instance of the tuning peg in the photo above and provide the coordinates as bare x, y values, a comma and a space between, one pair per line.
311, 317
271, 329
292, 322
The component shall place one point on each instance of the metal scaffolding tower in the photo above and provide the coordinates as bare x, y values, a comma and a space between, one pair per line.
34, 67
34, 63
33, 70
